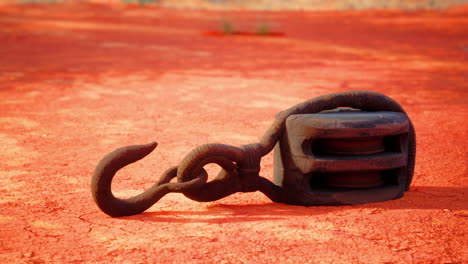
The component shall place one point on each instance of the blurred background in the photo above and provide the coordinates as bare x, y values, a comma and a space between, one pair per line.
274, 4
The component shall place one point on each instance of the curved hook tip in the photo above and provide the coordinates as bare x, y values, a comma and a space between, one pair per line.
152, 145
105, 172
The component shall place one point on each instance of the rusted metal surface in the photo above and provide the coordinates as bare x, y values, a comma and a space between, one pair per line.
328, 158
339, 156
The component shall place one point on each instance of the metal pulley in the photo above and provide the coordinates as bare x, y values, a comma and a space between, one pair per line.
343, 157
345, 148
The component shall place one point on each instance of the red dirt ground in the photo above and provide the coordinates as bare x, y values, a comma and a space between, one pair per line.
77, 81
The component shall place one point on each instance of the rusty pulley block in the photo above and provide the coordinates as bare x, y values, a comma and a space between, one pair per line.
346, 148
345, 156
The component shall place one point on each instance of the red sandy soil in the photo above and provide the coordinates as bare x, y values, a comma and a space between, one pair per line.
270, 5
78, 81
